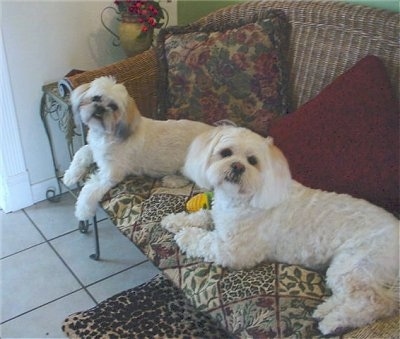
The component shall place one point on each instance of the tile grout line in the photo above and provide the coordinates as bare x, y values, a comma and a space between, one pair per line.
62, 259
116, 273
83, 286
38, 244
72, 292
40, 306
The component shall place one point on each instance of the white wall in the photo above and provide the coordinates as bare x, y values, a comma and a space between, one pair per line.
15, 188
44, 40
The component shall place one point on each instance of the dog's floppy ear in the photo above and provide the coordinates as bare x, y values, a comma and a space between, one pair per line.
198, 157
127, 120
276, 181
76, 97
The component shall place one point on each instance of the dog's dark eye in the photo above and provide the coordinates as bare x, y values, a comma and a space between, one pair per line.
226, 152
113, 106
252, 160
96, 98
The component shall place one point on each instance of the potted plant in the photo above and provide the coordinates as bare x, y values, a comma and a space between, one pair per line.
137, 21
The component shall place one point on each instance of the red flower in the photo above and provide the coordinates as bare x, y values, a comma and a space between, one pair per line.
148, 12
152, 21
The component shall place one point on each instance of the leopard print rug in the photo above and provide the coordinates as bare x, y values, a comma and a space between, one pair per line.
156, 309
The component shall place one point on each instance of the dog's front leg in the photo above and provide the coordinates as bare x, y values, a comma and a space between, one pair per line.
90, 195
176, 222
79, 166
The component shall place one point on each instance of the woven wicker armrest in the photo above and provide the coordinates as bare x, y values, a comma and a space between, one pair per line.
139, 74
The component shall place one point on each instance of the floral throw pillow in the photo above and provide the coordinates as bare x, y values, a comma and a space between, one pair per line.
235, 73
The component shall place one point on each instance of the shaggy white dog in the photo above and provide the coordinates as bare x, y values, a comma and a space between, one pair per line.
121, 142
260, 213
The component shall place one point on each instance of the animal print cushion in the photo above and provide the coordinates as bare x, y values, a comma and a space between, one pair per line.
154, 309
270, 300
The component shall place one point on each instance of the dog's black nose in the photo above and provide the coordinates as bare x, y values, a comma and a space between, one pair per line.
99, 111
237, 168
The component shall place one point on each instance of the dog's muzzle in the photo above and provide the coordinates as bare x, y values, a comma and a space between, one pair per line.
235, 173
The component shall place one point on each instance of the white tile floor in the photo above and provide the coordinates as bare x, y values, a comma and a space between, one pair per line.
46, 272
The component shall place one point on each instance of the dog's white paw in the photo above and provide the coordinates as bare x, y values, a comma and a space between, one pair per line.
70, 178
333, 323
323, 309
84, 211
186, 241
174, 181
332, 316
175, 222
73, 175
195, 243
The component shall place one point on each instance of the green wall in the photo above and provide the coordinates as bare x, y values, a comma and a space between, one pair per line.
391, 5
191, 10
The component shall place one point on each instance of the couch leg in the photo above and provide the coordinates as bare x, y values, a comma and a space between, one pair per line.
96, 255
83, 228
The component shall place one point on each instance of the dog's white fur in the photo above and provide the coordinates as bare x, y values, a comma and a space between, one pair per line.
260, 213
121, 142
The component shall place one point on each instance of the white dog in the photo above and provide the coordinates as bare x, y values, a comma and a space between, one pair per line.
260, 213
121, 142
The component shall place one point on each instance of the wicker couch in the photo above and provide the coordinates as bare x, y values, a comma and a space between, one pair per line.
273, 299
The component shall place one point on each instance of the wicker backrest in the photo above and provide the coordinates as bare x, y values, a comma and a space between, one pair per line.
327, 38
139, 74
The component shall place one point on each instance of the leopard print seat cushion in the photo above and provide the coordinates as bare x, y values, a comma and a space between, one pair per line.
270, 300
196, 298
154, 309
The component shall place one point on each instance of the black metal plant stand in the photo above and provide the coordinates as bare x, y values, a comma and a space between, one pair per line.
83, 228
57, 109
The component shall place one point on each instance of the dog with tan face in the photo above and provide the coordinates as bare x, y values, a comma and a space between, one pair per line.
260, 213
121, 142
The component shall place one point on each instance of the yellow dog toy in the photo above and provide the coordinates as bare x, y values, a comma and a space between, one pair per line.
200, 201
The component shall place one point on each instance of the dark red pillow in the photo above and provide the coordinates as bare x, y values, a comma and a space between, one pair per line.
346, 139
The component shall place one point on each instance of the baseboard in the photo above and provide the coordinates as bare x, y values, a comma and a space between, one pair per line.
45, 189
16, 192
